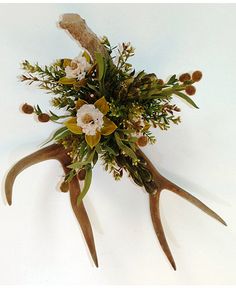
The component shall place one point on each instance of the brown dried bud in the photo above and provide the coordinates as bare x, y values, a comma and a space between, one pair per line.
160, 82
197, 76
27, 109
190, 90
64, 187
82, 174
177, 109
142, 141
43, 117
184, 77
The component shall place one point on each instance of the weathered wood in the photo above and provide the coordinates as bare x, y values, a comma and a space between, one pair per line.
79, 30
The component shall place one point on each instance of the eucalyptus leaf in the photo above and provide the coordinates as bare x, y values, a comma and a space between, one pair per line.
101, 65
78, 165
128, 151
62, 135
57, 133
186, 98
87, 183
172, 80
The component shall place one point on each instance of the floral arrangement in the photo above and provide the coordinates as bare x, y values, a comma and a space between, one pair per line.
106, 110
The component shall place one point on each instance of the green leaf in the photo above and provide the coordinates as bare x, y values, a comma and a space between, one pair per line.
101, 65
87, 183
92, 87
87, 56
78, 165
54, 116
70, 175
110, 150
95, 158
128, 151
57, 133
172, 80
62, 135
98, 149
67, 81
186, 98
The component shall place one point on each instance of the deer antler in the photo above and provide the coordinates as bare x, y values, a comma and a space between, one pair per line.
59, 153
163, 183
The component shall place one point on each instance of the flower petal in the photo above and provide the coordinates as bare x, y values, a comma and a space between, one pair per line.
93, 140
108, 126
71, 124
102, 105
67, 81
86, 56
80, 103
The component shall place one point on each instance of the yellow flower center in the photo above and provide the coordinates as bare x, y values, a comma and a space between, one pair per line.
74, 65
87, 118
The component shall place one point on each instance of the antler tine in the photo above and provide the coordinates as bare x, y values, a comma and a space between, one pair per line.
82, 218
46, 153
156, 220
167, 184
80, 212
190, 198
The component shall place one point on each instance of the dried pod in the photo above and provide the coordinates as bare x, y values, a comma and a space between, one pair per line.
185, 77
197, 76
82, 174
27, 109
43, 117
160, 82
190, 90
142, 141
64, 186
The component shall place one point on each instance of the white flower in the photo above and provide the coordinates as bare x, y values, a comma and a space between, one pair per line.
78, 68
90, 119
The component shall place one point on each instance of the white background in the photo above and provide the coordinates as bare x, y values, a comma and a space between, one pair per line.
40, 240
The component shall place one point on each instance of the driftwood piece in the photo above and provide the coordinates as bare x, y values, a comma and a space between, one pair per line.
79, 30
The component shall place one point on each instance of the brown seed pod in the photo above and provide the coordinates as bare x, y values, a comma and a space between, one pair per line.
190, 90
27, 109
142, 141
43, 117
184, 77
197, 76
82, 174
64, 187
160, 82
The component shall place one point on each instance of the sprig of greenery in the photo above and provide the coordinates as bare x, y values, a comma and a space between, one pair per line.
137, 101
